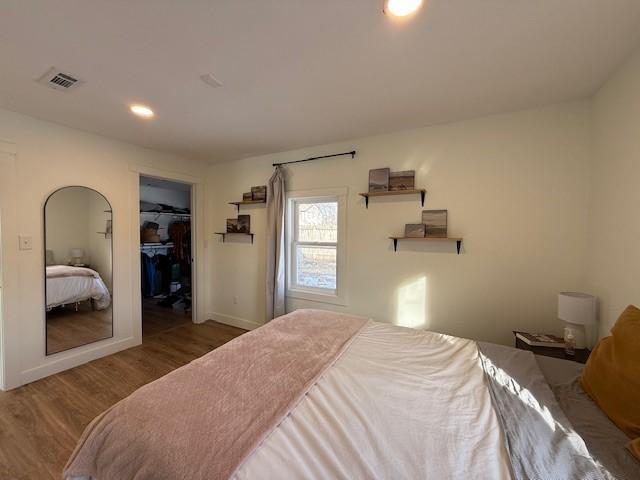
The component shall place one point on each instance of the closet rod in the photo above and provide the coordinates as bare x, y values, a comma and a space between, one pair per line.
352, 153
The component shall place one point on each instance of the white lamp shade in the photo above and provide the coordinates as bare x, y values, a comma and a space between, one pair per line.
77, 253
577, 308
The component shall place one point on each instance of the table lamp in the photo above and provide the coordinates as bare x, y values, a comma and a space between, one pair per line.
77, 254
577, 310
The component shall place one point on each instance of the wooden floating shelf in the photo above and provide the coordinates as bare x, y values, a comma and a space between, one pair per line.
247, 202
442, 239
224, 234
366, 195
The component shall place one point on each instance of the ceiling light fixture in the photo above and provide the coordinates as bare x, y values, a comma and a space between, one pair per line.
401, 8
141, 111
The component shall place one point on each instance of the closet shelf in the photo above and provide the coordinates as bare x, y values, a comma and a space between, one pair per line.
366, 195
224, 234
458, 241
247, 202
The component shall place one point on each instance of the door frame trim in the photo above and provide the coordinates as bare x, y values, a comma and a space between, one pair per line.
8, 268
197, 241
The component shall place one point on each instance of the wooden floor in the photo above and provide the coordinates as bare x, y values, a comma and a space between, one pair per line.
156, 319
41, 422
68, 328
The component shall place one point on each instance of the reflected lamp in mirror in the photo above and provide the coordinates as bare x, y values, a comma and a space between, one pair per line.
577, 310
77, 256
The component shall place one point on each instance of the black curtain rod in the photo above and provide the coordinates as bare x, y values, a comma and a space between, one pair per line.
352, 153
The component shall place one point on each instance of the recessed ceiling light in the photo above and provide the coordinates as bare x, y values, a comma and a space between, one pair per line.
401, 8
141, 111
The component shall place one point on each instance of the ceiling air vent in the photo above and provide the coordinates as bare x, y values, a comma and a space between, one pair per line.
58, 80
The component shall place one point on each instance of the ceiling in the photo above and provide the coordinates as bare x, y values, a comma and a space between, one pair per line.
299, 73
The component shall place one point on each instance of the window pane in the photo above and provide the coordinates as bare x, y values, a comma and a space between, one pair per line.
318, 222
316, 267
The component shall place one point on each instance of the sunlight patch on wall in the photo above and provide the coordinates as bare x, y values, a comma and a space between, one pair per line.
411, 304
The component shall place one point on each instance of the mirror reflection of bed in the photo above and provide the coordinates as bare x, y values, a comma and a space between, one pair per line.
78, 273
78, 307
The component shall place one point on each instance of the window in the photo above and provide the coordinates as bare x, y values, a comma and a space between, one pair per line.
315, 239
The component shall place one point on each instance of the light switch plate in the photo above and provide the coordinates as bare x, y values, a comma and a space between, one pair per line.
26, 242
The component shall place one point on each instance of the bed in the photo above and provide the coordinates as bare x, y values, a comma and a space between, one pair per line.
318, 395
71, 285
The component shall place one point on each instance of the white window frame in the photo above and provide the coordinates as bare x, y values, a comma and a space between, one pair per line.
322, 295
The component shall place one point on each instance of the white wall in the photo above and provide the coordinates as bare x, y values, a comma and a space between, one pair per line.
48, 157
614, 233
519, 188
67, 223
516, 187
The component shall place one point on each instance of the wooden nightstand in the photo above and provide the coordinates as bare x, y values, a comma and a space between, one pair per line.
581, 355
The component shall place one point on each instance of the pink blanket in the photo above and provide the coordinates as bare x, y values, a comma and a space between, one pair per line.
202, 420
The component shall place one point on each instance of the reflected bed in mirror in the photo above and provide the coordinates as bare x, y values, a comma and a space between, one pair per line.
78, 272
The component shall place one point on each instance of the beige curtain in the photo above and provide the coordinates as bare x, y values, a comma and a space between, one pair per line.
275, 246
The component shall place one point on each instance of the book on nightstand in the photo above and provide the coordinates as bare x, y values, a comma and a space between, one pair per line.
540, 340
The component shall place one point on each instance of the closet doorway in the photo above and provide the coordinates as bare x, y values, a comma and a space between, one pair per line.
166, 259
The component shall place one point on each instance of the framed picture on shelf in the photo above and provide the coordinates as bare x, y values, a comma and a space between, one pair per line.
379, 180
259, 193
414, 230
232, 225
402, 180
435, 222
247, 196
244, 224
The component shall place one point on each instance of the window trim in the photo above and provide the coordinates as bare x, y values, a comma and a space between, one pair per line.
339, 295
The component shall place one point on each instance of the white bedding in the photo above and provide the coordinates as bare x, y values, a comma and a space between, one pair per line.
399, 403
63, 290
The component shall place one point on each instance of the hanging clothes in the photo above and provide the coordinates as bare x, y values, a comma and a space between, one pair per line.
157, 274
148, 269
165, 267
180, 235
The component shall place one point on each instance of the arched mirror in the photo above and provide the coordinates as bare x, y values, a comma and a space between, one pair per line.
78, 271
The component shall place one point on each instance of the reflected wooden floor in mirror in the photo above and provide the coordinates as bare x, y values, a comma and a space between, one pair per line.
67, 328
41, 422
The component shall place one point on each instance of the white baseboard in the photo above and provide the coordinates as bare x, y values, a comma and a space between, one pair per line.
70, 361
234, 321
